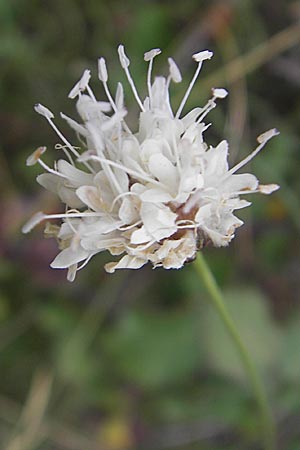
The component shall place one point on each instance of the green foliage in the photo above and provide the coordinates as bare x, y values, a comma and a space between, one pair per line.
153, 350
290, 357
262, 337
139, 354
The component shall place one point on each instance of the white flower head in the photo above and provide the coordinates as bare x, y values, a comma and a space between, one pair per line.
156, 194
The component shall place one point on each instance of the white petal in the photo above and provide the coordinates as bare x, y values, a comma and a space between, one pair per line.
217, 160
75, 125
148, 148
204, 213
174, 71
104, 242
128, 212
237, 203
68, 257
191, 117
156, 195
68, 196
159, 220
162, 168
67, 228
240, 182
49, 181
106, 224
90, 196
120, 96
127, 262
72, 272
55, 184
140, 236
76, 176
190, 183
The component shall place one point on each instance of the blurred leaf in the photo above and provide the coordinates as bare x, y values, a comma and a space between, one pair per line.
290, 355
153, 350
213, 398
75, 363
248, 308
288, 401
273, 246
4, 308
56, 319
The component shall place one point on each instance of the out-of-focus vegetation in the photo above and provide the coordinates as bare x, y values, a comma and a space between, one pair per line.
138, 360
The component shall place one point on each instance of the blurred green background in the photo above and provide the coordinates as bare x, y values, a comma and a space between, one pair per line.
138, 360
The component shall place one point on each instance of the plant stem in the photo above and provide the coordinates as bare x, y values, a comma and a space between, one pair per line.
267, 422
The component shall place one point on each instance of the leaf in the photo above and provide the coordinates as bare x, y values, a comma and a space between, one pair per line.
154, 350
290, 355
261, 336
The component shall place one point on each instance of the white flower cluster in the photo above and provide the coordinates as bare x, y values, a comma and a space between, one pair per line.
158, 194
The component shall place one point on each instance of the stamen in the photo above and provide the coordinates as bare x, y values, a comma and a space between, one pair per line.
219, 92
35, 156
262, 139
124, 194
102, 70
54, 172
266, 189
124, 60
68, 144
109, 173
81, 85
103, 77
203, 55
40, 217
128, 227
125, 63
43, 111
188, 91
199, 57
66, 152
62, 137
85, 262
91, 93
149, 56
206, 109
75, 125
140, 247
186, 224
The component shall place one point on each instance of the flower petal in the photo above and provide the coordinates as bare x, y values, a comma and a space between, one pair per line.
68, 257
127, 262
162, 168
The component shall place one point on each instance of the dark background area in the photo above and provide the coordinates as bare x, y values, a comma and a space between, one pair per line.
138, 360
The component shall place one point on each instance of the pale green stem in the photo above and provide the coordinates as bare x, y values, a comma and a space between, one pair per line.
267, 422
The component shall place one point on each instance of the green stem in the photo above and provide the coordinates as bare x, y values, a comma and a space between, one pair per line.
217, 300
